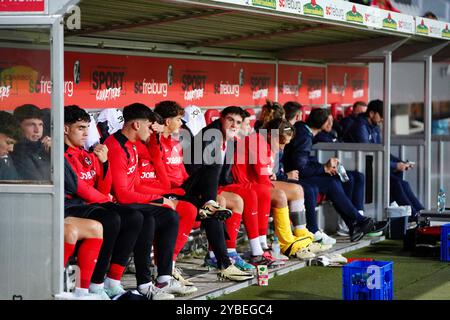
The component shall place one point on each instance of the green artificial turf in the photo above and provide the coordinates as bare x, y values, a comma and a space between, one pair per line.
414, 278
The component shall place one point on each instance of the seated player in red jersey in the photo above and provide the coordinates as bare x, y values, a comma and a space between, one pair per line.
172, 155
92, 200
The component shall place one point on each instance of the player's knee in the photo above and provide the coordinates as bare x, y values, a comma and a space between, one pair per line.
298, 192
95, 230
238, 203
279, 198
70, 233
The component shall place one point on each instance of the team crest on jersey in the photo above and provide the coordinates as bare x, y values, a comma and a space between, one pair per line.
87, 161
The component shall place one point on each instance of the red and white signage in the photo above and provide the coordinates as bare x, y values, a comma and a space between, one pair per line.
347, 84
113, 81
96, 81
303, 84
36, 6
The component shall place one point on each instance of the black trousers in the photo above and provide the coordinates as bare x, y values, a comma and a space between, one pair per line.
216, 234
159, 227
121, 227
202, 185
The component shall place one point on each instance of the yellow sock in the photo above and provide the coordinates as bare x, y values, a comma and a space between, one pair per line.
282, 225
303, 232
289, 243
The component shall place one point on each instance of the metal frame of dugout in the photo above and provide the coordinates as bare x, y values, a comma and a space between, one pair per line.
42, 278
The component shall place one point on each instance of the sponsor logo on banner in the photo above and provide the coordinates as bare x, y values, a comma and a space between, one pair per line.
354, 16
390, 23
291, 5
290, 89
337, 88
43, 86
193, 86
334, 12
260, 87
315, 88
422, 28
406, 26
358, 88
446, 32
151, 88
313, 9
107, 83
224, 88
4, 92
271, 4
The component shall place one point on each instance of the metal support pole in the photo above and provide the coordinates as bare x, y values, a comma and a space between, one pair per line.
276, 79
57, 74
427, 127
387, 126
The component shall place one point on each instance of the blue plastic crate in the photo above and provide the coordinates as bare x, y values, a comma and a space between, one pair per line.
445, 242
368, 280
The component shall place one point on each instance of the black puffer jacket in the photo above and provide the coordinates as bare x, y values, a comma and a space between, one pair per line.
31, 160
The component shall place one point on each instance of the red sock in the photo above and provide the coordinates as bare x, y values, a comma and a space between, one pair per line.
87, 258
263, 193
116, 271
250, 214
187, 212
232, 224
69, 248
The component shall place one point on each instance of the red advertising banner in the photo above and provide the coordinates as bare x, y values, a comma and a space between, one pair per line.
303, 84
22, 5
24, 78
347, 84
113, 81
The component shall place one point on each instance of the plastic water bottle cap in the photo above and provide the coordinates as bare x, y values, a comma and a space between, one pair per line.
275, 238
441, 190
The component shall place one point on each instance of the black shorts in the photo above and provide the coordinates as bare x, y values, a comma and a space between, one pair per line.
84, 211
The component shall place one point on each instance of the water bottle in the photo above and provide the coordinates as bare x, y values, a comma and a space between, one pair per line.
342, 173
441, 200
276, 248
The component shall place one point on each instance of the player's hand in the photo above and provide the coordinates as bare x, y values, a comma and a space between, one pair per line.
169, 203
331, 166
157, 128
410, 165
402, 166
293, 175
47, 142
101, 151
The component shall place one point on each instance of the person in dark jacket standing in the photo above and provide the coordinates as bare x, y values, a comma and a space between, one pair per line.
324, 176
32, 153
365, 129
9, 134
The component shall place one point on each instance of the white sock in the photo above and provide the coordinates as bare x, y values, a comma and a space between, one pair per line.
144, 287
263, 241
109, 283
255, 246
301, 226
96, 286
79, 292
162, 279
361, 212
230, 250
211, 254
297, 205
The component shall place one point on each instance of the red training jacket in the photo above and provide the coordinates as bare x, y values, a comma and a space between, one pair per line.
94, 178
124, 160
